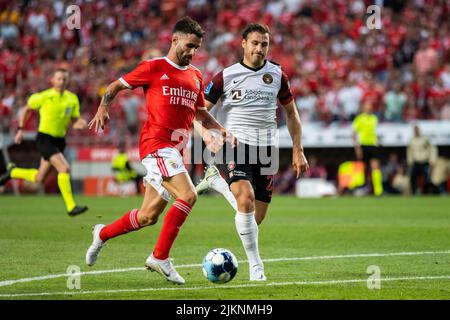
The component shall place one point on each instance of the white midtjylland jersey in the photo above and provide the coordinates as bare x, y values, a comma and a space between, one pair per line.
246, 100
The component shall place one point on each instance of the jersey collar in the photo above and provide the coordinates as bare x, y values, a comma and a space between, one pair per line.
175, 65
253, 69
57, 93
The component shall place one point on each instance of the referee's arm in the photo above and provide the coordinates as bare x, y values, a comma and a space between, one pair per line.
22, 119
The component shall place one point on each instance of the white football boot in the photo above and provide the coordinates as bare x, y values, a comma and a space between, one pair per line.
257, 273
97, 244
213, 180
164, 268
211, 174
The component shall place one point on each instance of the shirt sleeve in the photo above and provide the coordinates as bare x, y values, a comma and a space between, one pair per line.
285, 95
139, 77
76, 108
201, 95
36, 100
214, 90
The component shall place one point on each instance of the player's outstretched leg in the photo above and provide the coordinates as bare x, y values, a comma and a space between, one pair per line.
213, 180
12, 172
159, 260
179, 185
97, 244
101, 233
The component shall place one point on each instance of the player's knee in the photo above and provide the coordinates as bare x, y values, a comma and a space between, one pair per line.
246, 201
374, 164
190, 197
64, 169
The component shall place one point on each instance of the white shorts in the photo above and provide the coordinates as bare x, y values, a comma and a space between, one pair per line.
165, 162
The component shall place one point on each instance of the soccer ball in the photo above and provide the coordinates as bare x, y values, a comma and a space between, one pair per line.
220, 265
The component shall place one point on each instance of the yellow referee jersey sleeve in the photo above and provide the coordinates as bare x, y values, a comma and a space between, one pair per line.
35, 100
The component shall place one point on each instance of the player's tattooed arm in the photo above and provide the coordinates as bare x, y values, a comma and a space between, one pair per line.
110, 93
101, 117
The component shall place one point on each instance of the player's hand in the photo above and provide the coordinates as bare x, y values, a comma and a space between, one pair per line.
213, 141
230, 138
299, 162
80, 124
19, 136
100, 119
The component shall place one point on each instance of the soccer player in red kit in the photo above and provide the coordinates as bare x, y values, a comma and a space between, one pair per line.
174, 95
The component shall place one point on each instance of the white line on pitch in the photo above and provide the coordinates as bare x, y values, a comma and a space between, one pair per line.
5, 283
179, 288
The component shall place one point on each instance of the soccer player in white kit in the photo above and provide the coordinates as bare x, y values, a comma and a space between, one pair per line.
246, 94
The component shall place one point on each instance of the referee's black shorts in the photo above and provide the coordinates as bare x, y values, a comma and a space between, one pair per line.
49, 145
369, 153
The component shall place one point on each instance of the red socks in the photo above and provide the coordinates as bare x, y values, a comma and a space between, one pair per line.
174, 219
129, 222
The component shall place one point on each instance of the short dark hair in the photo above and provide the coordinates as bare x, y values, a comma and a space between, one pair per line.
255, 27
187, 25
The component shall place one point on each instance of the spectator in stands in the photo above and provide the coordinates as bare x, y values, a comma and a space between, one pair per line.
440, 174
426, 58
400, 182
394, 103
284, 181
420, 154
349, 98
315, 170
389, 171
307, 104
319, 48
131, 103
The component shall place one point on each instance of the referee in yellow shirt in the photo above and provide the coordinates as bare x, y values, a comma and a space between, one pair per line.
57, 108
365, 141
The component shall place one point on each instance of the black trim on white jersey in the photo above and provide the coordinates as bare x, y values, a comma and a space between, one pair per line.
250, 68
275, 63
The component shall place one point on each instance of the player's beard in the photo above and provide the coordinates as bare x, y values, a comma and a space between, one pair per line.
258, 59
183, 59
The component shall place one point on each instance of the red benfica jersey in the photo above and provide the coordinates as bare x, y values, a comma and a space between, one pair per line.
173, 94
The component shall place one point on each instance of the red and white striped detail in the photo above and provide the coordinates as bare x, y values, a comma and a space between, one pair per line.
183, 206
161, 165
134, 219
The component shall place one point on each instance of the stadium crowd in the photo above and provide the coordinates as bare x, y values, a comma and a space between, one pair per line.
334, 61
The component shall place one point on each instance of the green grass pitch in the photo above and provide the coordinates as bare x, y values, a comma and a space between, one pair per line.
313, 249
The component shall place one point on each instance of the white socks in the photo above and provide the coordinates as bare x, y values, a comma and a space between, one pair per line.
247, 229
220, 185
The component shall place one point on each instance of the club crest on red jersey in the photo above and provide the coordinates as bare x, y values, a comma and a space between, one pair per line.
197, 83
